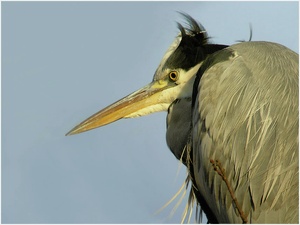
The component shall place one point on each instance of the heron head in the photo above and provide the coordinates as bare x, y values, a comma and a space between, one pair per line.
173, 79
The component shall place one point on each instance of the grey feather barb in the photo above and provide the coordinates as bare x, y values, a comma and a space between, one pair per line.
221, 171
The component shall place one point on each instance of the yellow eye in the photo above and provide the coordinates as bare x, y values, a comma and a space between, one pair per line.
173, 75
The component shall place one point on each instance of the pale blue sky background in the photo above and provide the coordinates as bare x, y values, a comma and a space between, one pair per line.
62, 62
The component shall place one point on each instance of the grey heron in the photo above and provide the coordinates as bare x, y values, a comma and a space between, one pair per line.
232, 120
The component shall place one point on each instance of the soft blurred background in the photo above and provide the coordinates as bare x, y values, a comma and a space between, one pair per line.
64, 61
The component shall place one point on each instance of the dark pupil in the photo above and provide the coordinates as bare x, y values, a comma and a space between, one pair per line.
173, 76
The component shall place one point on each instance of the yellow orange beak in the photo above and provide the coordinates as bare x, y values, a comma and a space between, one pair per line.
127, 107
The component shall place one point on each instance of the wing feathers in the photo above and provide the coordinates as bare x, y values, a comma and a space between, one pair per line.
246, 116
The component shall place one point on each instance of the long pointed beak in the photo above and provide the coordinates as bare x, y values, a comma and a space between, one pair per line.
125, 107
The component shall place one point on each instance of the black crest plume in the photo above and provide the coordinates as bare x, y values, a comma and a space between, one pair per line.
193, 47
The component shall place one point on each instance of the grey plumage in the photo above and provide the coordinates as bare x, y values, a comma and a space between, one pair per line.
246, 116
232, 120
